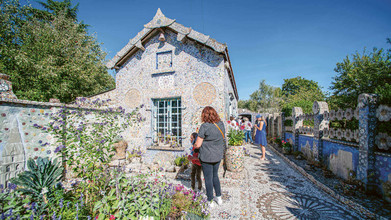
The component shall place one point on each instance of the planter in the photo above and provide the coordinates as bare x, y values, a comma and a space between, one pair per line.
120, 150
234, 157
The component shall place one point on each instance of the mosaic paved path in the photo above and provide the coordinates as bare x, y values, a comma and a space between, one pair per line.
271, 189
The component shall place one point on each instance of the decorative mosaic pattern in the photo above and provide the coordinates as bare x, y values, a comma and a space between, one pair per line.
132, 98
280, 205
204, 94
235, 158
19, 140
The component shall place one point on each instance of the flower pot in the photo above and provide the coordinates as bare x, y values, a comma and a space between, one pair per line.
234, 158
120, 149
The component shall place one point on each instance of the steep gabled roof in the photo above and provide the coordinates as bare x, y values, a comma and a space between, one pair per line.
161, 21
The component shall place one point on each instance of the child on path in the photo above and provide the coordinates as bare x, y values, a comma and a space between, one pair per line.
196, 164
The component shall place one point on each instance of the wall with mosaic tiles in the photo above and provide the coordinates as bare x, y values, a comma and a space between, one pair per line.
193, 72
364, 153
19, 139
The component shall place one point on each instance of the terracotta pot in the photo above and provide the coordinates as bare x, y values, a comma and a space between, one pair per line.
120, 149
234, 157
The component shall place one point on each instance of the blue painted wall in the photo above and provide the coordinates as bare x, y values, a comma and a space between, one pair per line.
330, 148
303, 141
289, 135
382, 168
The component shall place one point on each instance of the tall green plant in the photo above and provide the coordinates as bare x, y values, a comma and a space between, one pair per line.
40, 178
86, 136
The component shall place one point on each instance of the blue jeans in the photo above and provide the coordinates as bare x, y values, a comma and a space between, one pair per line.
211, 176
247, 135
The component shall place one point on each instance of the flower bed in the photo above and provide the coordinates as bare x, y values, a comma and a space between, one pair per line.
110, 195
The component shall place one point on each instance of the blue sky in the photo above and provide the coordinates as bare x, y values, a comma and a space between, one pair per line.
267, 39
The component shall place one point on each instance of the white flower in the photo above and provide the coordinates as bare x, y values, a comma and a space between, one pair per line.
383, 113
339, 133
381, 141
339, 114
332, 115
349, 114
348, 134
326, 132
357, 113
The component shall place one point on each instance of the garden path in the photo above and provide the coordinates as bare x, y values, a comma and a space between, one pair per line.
271, 189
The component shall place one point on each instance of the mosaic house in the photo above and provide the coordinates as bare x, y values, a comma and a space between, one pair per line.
171, 72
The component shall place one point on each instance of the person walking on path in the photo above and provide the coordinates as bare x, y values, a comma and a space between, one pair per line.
211, 146
260, 135
196, 164
247, 130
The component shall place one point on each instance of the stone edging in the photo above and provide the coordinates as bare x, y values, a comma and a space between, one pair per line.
357, 207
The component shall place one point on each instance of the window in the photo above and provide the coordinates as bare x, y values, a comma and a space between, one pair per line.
164, 60
167, 122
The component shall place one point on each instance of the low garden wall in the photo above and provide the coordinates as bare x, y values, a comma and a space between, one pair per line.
362, 154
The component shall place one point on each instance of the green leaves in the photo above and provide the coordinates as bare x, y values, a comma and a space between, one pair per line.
48, 54
368, 72
40, 178
235, 137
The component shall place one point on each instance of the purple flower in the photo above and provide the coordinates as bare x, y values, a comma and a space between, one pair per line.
12, 186
61, 202
103, 141
54, 216
56, 128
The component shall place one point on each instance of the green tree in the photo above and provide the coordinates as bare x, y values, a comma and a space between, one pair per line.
50, 58
300, 92
265, 99
369, 72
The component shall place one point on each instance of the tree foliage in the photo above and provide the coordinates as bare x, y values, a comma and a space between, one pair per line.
49, 54
265, 99
369, 72
300, 92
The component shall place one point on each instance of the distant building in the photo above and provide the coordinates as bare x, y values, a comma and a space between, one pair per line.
174, 72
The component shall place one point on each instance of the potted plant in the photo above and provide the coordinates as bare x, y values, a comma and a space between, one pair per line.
234, 156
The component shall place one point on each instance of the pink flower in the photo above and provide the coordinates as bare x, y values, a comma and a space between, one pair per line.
112, 217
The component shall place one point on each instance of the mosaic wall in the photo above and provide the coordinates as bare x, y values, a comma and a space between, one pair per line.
306, 145
340, 158
197, 75
289, 135
19, 139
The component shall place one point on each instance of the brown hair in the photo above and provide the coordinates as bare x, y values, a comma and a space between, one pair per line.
210, 115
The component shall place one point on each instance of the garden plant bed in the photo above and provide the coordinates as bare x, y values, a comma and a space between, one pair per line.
378, 207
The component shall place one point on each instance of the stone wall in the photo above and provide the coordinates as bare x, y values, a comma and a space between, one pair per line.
364, 153
19, 139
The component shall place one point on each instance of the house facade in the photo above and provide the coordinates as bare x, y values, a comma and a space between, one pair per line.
171, 72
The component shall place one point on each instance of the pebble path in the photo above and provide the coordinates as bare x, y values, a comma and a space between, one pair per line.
271, 189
